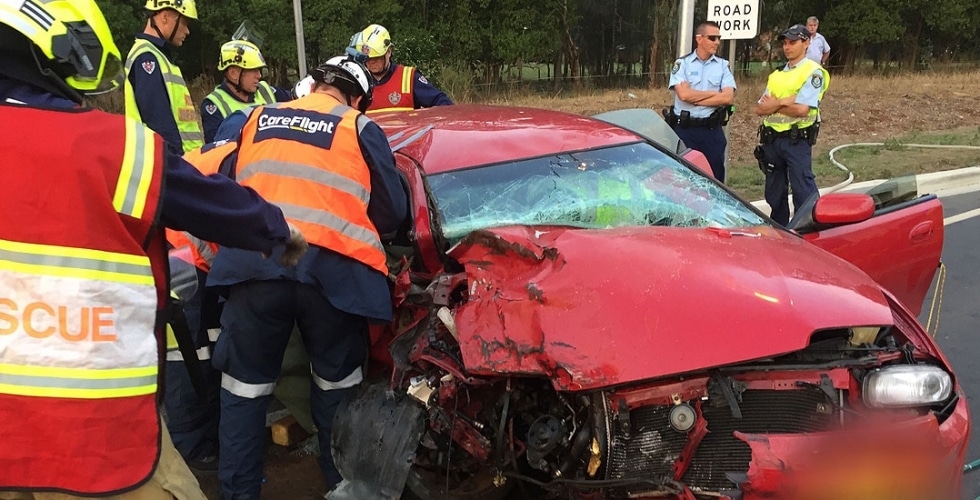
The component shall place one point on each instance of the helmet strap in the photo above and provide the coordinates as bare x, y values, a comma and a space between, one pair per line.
57, 82
237, 86
173, 32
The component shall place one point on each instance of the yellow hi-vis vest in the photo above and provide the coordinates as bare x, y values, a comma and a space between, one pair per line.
786, 83
228, 104
188, 124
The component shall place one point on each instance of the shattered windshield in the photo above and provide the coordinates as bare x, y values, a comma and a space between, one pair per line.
625, 185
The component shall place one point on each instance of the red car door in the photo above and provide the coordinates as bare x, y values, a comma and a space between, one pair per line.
899, 246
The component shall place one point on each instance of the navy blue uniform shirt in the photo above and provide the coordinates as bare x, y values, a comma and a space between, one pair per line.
211, 116
425, 94
348, 284
213, 208
152, 98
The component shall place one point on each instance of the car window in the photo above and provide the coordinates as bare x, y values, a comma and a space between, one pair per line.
625, 185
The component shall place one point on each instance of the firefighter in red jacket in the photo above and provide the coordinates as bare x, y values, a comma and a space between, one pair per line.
396, 87
83, 282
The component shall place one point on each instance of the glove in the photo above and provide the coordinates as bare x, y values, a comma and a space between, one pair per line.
295, 248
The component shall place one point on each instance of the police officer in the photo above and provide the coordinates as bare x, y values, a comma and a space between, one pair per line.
156, 93
84, 280
704, 90
333, 173
241, 63
790, 121
396, 87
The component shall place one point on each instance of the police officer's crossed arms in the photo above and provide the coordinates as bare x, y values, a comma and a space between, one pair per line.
704, 90
790, 123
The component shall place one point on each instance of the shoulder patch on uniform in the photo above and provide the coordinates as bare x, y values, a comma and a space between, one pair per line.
676, 68
149, 66
423, 80
816, 80
210, 108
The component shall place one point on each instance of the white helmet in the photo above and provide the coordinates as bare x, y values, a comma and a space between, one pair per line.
348, 75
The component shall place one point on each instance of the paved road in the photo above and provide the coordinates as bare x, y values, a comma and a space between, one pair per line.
959, 319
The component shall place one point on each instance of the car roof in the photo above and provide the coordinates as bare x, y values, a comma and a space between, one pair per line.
447, 138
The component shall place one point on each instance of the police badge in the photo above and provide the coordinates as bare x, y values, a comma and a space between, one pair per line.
816, 80
676, 68
210, 108
149, 66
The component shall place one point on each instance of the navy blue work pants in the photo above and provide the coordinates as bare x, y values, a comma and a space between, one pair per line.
793, 169
192, 419
257, 321
709, 141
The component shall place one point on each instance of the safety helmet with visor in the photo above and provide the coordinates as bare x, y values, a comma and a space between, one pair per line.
373, 41
349, 76
71, 41
240, 53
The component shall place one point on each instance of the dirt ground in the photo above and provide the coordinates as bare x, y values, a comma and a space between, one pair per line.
855, 109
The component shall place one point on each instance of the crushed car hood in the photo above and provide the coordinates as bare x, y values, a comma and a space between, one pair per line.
592, 308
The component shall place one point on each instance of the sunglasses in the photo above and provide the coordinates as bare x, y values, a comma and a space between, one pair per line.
713, 38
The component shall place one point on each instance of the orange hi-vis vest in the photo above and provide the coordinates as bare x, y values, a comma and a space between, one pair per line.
207, 159
304, 156
82, 276
395, 94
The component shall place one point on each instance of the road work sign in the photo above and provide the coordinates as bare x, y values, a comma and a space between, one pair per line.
738, 19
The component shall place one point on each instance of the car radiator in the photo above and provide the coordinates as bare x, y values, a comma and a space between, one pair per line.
652, 446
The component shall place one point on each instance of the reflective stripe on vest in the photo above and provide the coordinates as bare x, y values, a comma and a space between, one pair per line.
396, 94
181, 105
80, 285
315, 173
228, 104
786, 83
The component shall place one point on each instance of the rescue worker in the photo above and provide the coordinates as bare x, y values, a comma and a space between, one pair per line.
83, 284
396, 87
192, 406
156, 93
704, 91
790, 122
242, 64
334, 177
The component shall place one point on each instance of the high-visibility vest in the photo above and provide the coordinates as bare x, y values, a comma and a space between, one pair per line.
207, 159
304, 156
228, 104
395, 94
188, 122
80, 287
786, 83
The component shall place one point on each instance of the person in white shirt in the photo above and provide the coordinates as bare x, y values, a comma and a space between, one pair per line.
819, 49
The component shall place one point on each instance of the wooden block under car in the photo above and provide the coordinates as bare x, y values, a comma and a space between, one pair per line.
287, 431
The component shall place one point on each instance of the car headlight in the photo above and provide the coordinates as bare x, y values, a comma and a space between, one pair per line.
907, 385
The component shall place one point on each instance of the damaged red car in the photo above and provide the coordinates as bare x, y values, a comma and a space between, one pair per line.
582, 312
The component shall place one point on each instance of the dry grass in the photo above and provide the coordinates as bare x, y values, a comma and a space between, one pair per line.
855, 109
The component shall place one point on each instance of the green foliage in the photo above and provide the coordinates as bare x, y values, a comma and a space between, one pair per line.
477, 40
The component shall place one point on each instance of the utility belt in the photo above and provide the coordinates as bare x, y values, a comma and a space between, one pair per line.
768, 135
718, 118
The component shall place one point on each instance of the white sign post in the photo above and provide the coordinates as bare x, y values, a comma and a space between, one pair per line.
738, 19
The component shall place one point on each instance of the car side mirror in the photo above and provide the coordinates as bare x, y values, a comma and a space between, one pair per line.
834, 209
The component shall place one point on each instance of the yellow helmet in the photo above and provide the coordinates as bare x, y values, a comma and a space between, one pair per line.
74, 37
186, 8
373, 41
240, 53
